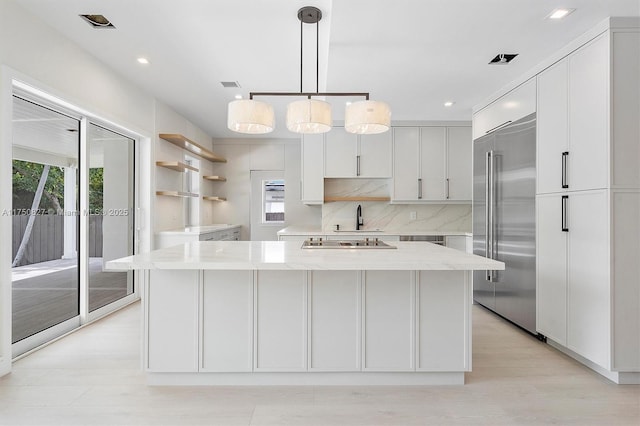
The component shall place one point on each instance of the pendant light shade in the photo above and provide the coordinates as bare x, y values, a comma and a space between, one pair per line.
251, 117
367, 117
309, 116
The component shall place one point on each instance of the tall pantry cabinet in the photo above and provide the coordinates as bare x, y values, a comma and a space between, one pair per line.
588, 204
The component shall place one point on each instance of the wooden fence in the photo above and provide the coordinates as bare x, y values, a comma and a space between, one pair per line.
47, 238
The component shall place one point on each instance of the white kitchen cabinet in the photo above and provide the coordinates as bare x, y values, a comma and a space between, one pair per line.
172, 321
459, 164
388, 313
551, 265
281, 321
341, 152
227, 323
514, 105
587, 163
406, 163
349, 155
457, 242
440, 345
431, 164
312, 169
552, 128
573, 116
334, 321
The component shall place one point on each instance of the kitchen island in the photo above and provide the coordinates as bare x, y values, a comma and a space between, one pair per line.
270, 312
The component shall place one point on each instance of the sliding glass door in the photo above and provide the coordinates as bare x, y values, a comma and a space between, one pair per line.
111, 218
73, 211
45, 262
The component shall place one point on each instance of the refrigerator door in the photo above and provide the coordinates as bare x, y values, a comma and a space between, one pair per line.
514, 222
483, 289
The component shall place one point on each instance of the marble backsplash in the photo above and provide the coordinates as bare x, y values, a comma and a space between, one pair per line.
389, 217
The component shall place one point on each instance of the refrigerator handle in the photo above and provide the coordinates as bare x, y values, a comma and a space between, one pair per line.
489, 211
564, 169
565, 226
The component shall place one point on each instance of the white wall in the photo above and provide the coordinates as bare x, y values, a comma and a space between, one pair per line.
33, 53
244, 155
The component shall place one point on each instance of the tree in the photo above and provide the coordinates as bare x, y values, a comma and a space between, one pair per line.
32, 216
26, 177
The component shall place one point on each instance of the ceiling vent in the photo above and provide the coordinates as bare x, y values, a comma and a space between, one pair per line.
503, 59
97, 21
230, 84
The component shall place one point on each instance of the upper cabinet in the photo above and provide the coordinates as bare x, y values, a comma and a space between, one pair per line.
312, 179
348, 155
516, 104
431, 164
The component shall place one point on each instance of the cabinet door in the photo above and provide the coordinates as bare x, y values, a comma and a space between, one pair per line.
441, 328
334, 321
551, 269
589, 116
432, 162
406, 149
388, 320
312, 191
375, 155
588, 319
280, 326
552, 124
341, 150
227, 321
459, 164
457, 242
172, 321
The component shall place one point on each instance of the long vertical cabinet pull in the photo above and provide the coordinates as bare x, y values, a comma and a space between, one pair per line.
419, 188
447, 181
565, 225
564, 169
488, 223
357, 165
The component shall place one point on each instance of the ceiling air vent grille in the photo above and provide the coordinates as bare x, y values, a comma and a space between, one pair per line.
230, 84
503, 59
97, 21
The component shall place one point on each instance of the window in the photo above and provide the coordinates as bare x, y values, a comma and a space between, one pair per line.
273, 197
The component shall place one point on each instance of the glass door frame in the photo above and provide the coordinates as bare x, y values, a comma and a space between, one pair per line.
42, 98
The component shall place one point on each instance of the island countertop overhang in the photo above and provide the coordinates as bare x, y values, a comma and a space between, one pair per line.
288, 255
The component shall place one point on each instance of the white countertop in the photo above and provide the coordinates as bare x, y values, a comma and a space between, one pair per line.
287, 255
199, 230
310, 230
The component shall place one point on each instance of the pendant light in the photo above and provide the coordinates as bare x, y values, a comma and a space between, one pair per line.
309, 115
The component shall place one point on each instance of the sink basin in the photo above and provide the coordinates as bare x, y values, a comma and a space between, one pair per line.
346, 244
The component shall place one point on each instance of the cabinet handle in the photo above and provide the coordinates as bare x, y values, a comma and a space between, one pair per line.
419, 189
357, 165
564, 169
447, 181
565, 226
497, 127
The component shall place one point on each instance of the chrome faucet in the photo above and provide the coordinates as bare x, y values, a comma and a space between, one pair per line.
359, 221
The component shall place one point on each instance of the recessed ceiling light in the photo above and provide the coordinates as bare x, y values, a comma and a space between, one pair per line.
142, 60
449, 103
238, 96
560, 13
230, 84
503, 59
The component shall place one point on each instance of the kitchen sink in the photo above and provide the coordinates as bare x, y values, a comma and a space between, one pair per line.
367, 243
364, 231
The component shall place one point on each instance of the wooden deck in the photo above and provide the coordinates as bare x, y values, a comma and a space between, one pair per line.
45, 294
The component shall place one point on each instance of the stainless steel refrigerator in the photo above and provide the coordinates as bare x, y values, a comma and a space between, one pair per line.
504, 187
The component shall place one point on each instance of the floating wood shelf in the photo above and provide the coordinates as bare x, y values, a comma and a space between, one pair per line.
177, 194
215, 178
175, 165
206, 197
330, 199
192, 147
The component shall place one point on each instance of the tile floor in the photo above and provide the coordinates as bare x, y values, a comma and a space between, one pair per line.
93, 377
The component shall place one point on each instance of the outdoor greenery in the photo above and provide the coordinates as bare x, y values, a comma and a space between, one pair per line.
26, 176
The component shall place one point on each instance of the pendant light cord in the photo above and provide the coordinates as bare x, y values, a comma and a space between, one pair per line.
317, 54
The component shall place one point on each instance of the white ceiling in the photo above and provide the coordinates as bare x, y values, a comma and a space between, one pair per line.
413, 54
